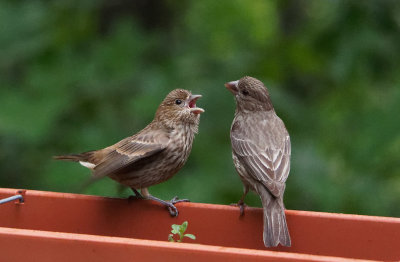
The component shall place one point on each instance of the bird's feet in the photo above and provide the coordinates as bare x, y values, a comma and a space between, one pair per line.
177, 200
136, 196
241, 206
173, 211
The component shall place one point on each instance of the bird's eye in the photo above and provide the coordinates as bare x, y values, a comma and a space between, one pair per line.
178, 101
245, 92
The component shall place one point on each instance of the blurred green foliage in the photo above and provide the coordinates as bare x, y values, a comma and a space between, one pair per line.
81, 75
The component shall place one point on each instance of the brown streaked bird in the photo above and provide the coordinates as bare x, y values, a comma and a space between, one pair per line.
154, 154
261, 154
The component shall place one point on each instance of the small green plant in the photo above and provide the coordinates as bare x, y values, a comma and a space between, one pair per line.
180, 231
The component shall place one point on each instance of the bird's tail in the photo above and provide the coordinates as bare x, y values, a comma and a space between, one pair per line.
275, 227
84, 157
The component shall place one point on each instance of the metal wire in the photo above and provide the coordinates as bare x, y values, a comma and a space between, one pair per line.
9, 199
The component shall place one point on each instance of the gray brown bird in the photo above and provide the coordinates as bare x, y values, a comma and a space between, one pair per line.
261, 154
154, 154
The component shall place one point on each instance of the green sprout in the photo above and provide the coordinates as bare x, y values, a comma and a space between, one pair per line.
180, 231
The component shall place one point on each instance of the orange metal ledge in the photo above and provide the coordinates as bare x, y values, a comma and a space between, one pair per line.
68, 227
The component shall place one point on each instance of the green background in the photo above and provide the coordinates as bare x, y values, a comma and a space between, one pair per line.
81, 75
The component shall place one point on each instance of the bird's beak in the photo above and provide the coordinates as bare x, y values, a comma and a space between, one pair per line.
192, 105
232, 86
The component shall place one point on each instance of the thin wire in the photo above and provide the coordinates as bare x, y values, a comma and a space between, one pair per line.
9, 199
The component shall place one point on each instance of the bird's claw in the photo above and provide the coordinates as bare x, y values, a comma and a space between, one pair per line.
177, 200
241, 206
173, 211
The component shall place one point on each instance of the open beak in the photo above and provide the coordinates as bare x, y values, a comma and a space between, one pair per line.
192, 105
232, 87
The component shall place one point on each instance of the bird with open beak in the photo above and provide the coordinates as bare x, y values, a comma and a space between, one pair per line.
261, 154
154, 154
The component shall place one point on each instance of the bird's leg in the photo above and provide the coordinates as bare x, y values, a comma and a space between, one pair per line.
137, 194
241, 203
173, 211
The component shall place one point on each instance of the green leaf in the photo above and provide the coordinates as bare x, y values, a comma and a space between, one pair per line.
171, 238
175, 229
183, 227
191, 236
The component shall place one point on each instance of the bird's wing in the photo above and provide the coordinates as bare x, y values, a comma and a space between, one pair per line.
128, 151
270, 166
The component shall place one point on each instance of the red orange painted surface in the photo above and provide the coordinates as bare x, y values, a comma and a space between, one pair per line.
68, 227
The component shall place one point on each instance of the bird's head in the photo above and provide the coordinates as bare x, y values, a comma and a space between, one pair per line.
179, 107
250, 94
